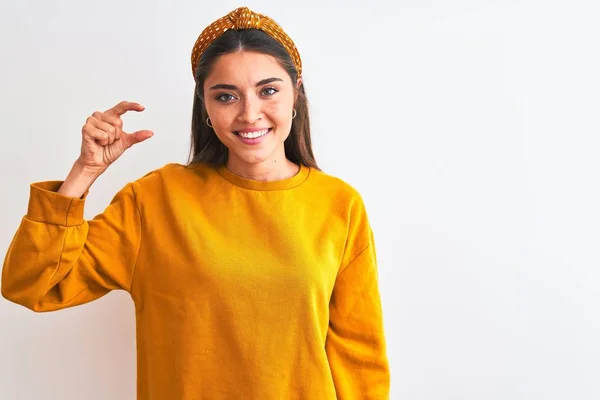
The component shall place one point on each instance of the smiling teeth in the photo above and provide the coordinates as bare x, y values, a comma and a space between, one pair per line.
253, 135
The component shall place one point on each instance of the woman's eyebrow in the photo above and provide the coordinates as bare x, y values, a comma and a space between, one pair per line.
269, 80
233, 87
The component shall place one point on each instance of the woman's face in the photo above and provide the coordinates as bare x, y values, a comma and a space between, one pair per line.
249, 98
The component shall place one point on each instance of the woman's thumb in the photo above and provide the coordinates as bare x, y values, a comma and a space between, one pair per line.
139, 136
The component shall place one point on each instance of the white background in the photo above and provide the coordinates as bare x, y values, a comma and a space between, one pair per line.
470, 128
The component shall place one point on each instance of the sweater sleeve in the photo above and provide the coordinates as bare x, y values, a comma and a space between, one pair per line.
57, 259
356, 344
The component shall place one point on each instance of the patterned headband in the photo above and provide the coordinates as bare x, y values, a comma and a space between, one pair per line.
244, 18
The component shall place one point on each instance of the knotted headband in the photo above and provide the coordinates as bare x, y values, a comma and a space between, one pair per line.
244, 18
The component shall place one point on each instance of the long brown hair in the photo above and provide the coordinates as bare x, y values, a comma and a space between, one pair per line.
205, 145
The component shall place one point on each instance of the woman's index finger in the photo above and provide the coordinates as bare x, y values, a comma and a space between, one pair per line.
123, 107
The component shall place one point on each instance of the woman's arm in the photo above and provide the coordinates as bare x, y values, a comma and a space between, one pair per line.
356, 345
57, 259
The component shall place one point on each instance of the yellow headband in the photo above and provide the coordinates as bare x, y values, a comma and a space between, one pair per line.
244, 18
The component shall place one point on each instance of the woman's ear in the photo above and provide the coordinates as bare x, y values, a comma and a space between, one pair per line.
298, 84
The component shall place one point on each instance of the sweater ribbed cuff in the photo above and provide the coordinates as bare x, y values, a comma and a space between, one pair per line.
48, 206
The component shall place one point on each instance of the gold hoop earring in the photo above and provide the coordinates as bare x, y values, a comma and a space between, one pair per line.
294, 113
208, 122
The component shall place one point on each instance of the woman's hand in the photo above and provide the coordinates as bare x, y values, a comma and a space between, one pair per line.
104, 140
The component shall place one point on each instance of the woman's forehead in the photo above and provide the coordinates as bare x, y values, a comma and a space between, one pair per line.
246, 67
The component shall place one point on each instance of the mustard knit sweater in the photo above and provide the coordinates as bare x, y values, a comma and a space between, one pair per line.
243, 289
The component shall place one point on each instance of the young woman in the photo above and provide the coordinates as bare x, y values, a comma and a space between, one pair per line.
253, 273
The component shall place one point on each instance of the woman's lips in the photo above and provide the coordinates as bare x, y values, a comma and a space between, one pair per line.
253, 137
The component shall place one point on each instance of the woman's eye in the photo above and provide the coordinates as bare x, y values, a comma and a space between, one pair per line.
269, 91
225, 97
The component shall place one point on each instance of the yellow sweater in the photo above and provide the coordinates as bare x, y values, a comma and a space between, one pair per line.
242, 289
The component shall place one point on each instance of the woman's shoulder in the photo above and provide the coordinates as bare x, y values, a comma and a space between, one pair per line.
333, 185
173, 170
173, 175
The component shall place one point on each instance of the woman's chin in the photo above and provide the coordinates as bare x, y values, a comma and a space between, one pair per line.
250, 157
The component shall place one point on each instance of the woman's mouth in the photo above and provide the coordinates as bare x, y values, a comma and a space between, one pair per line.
253, 137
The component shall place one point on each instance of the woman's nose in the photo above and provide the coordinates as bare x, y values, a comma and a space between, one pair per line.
250, 111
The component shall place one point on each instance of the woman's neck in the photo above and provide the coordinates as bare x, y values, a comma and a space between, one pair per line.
265, 171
